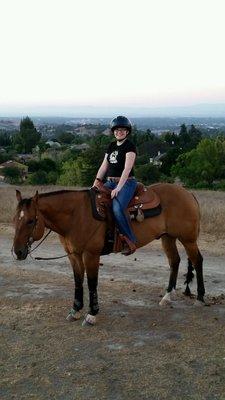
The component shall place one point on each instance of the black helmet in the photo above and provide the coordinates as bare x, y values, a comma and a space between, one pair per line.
120, 122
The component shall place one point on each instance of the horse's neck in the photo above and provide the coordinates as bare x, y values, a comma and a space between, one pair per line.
62, 211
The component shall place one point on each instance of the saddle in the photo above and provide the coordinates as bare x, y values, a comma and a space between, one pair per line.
144, 204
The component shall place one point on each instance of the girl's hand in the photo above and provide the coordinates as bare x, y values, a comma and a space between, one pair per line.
114, 192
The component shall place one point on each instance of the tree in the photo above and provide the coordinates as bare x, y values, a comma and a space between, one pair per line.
83, 169
169, 160
170, 138
27, 137
38, 178
65, 137
12, 175
183, 137
5, 139
69, 174
147, 174
203, 164
195, 136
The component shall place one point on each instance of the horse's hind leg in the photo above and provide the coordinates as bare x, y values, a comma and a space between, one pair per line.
196, 259
170, 248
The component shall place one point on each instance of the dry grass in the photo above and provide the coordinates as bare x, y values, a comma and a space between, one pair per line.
212, 206
8, 201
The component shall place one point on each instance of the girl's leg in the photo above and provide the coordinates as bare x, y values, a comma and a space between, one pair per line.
120, 204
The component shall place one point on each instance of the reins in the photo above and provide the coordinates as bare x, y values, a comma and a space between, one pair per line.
55, 258
31, 250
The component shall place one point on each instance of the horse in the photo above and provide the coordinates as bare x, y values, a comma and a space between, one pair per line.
69, 214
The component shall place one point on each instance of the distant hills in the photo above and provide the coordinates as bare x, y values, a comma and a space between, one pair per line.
198, 111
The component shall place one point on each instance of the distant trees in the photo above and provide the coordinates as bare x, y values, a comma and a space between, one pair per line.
189, 139
195, 157
65, 137
5, 139
27, 137
147, 173
42, 172
202, 165
12, 175
82, 169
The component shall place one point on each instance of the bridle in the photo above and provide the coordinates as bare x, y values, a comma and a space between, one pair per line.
31, 240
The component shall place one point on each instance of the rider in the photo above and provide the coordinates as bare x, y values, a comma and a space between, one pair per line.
118, 167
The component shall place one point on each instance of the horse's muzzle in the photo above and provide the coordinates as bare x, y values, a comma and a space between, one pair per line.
21, 253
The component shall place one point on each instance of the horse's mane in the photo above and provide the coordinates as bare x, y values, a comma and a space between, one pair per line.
62, 192
27, 201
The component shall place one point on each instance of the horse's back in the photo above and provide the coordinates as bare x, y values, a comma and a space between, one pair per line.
180, 209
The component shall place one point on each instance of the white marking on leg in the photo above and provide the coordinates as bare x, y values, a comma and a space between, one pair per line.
89, 320
73, 315
166, 299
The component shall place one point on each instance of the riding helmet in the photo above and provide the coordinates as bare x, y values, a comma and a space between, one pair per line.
120, 122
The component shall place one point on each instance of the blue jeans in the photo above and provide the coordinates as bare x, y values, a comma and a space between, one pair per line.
119, 205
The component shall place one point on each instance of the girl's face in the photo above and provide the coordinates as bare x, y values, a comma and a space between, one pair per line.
120, 133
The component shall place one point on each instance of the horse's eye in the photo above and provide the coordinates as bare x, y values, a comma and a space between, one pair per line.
30, 221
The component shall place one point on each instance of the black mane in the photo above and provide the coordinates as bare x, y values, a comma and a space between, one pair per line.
61, 192
27, 202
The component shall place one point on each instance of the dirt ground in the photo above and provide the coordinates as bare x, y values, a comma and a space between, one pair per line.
137, 350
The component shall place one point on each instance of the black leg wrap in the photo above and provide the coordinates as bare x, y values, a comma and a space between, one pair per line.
78, 300
94, 308
93, 295
200, 281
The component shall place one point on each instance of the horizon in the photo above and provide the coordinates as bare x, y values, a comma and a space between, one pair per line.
201, 110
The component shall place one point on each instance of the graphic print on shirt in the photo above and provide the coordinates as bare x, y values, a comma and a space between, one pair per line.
113, 157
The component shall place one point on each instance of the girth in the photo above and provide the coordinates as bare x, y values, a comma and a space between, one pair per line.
144, 199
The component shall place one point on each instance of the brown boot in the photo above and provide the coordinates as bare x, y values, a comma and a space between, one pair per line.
129, 246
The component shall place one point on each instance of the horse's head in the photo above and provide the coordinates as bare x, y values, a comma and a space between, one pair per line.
29, 225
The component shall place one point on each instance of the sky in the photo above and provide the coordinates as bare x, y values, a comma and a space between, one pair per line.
110, 53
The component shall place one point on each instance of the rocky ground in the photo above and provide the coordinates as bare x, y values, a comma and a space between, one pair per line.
137, 350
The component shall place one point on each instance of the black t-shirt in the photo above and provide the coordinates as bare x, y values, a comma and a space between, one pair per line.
117, 157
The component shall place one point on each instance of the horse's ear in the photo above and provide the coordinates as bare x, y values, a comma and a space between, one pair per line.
35, 198
18, 195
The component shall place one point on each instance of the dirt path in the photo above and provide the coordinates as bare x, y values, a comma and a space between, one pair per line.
137, 350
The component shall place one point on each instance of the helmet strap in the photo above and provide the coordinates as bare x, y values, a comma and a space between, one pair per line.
120, 141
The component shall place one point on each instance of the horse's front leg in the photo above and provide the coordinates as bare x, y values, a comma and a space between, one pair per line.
78, 271
91, 262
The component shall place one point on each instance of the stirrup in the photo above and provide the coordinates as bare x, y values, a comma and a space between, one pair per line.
129, 247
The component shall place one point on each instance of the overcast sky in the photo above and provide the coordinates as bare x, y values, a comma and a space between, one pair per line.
111, 52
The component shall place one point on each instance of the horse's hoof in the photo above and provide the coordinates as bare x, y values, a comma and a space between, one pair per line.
187, 292
199, 303
166, 300
73, 315
89, 320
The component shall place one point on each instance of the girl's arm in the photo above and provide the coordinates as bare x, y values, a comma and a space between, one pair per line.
102, 171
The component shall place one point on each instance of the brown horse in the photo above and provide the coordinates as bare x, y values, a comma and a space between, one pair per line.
69, 214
